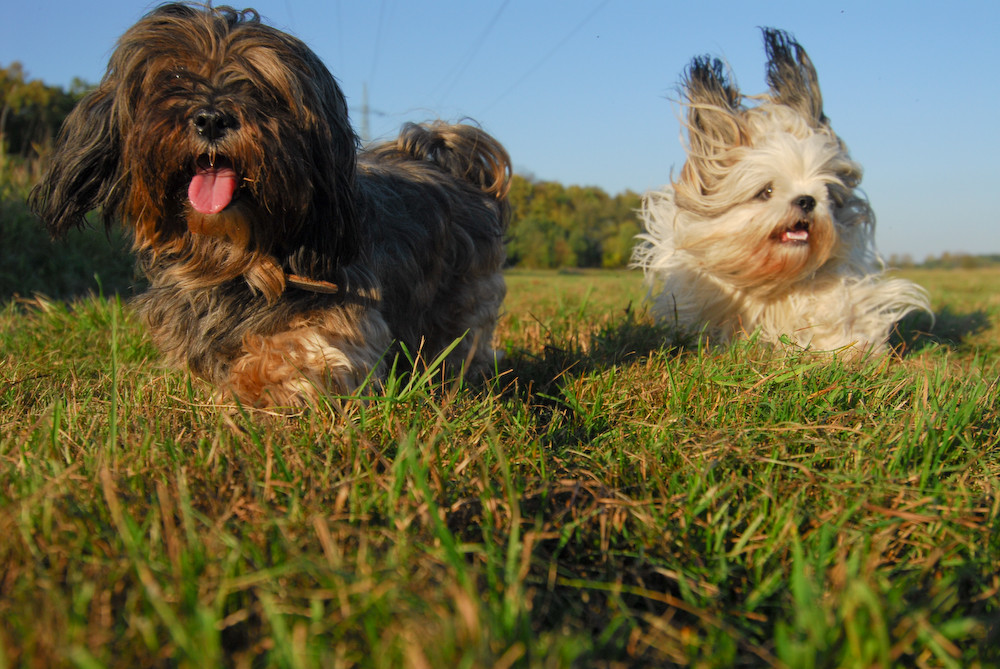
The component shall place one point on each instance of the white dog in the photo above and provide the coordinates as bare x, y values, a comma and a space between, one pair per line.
766, 230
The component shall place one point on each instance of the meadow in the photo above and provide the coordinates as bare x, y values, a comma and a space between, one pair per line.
613, 498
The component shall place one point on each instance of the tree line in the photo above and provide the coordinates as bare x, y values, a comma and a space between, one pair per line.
947, 260
570, 226
31, 112
552, 225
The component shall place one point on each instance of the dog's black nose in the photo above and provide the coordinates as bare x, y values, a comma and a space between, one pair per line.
213, 124
806, 203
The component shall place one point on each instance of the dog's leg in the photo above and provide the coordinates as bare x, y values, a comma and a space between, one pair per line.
473, 309
322, 352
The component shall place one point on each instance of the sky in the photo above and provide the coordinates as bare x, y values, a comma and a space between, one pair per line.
584, 91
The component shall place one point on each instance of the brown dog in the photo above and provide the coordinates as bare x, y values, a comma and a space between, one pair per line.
282, 262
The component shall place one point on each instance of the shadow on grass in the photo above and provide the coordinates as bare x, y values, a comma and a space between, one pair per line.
917, 332
624, 340
583, 577
636, 336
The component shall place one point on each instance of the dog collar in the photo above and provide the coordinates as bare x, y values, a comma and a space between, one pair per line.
313, 285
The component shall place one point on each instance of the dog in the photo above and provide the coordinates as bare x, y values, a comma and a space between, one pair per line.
766, 230
283, 263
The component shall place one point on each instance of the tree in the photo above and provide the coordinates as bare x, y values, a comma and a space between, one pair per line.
570, 226
31, 112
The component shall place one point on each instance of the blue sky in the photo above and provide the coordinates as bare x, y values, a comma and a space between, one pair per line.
581, 91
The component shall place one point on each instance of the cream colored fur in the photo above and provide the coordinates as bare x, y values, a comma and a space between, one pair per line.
766, 229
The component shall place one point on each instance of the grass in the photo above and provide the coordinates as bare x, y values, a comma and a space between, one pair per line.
609, 500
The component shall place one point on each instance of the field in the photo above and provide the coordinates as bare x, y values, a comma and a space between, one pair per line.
610, 500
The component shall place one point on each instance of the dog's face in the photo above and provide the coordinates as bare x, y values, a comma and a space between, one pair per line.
771, 186
210, 129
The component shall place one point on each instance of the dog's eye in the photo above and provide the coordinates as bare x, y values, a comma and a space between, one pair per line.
766, 192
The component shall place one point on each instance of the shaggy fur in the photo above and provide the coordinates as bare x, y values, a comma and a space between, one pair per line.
282, 263
766, 229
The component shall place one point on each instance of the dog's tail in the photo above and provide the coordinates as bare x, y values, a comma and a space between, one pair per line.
464, 151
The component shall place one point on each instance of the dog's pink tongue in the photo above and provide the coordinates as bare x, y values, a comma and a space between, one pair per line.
796, 235
212, 189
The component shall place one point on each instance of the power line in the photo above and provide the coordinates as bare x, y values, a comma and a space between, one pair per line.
477, 44
541, 61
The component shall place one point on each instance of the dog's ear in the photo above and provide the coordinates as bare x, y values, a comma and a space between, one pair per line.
714, 125
713, 103
331, 235
82, 172
792, 76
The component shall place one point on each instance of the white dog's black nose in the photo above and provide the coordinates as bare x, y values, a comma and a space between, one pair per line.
213, 124
806, 203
